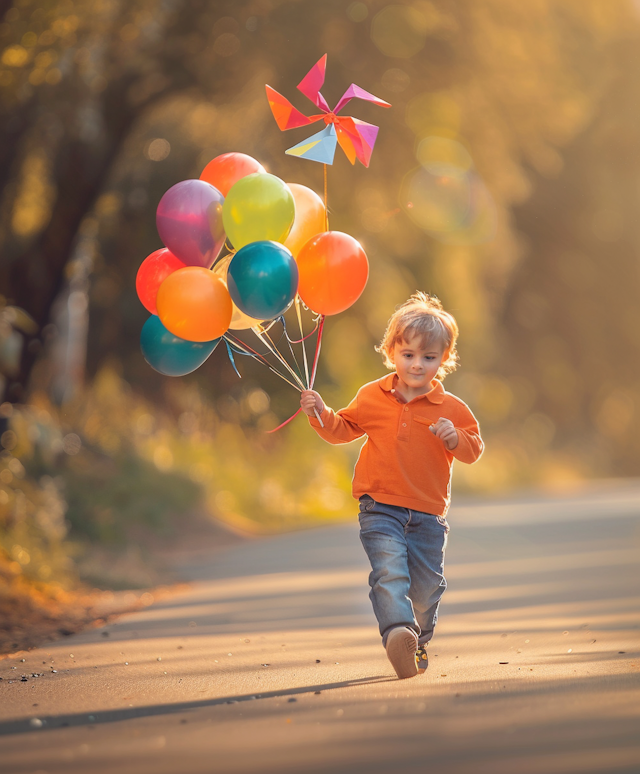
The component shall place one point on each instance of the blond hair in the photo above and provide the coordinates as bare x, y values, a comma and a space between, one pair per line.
422, 315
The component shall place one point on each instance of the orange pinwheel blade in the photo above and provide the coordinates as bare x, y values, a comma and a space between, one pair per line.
287, 117
346, 141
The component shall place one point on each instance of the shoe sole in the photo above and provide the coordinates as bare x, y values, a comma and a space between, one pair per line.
401, 652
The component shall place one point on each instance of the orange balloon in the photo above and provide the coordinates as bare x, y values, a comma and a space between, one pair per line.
239, 320
227, 169
194, 304
333, 270
311, 217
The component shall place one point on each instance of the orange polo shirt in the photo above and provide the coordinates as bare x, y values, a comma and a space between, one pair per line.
402, 462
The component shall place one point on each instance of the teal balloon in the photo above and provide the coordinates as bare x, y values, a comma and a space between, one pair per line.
263, 279
170, 355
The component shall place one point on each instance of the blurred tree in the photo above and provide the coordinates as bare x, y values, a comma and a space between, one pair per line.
572, 304
75, 78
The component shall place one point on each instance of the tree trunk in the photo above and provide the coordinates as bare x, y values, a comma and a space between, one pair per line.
37, 276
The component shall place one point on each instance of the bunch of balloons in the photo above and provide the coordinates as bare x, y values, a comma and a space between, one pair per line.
281, 252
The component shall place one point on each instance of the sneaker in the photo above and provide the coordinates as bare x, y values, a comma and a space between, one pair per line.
401, 647
422, 660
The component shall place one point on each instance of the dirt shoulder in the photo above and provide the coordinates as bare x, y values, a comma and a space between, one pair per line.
32, 614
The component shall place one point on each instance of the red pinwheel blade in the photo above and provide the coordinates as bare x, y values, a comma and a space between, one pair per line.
312, 82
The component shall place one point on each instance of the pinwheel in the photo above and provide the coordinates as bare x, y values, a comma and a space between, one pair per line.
356, 138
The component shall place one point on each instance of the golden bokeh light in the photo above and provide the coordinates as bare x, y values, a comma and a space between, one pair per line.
434, 113
399, 31
357, 12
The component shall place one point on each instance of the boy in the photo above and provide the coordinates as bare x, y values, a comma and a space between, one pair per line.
402, 478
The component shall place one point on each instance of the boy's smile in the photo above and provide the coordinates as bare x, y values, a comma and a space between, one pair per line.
416, 367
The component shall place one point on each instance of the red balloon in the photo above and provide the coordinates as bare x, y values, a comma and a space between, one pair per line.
333, 270
227, 169
152, 273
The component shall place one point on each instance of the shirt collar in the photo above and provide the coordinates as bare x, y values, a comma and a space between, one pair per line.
435, 394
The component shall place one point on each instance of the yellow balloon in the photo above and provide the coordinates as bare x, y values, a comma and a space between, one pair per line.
311, 217
258, 207
239, 320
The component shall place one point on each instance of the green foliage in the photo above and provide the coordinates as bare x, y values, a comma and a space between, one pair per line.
33, 532
109, 502
111, 471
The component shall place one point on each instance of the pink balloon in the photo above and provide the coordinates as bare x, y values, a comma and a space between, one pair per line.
189, 221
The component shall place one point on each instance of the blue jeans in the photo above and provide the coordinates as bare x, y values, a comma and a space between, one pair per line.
406, 551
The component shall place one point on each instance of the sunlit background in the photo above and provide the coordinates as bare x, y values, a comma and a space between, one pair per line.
505, 180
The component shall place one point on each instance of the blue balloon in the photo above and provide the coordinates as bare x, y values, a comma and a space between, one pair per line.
263, 279
170, 355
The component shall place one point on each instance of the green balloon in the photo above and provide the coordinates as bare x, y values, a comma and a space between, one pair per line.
258, 207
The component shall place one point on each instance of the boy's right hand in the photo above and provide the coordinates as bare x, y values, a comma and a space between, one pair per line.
310, 402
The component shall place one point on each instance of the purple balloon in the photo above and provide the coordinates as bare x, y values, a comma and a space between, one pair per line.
189, 221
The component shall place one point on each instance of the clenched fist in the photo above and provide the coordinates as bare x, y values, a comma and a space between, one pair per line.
446, 432
311, 402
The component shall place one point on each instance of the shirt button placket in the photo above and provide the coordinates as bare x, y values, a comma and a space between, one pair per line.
404, 430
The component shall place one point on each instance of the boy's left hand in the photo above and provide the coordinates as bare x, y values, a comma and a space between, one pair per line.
446, 432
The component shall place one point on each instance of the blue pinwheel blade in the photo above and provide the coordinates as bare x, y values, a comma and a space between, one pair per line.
319, 147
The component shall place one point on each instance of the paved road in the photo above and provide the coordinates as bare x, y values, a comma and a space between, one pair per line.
270, 662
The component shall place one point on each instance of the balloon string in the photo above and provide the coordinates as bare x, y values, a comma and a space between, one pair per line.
304, 349
308, 336
313, 376
286, 422
316, 356
266, 340
245, 349
317, 352
293, 354
250, 352
232, 359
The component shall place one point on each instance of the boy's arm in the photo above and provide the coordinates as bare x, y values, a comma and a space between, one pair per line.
470, 444
339, 426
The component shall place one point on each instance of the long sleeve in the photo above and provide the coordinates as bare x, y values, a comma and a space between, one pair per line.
470, 444
339, 426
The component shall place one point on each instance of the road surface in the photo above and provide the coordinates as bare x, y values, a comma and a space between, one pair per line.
271, 662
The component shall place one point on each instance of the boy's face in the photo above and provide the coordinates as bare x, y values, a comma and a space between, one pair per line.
416, 367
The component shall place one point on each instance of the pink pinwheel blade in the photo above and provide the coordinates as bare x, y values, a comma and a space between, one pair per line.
312, 82
355, 92
368, 132
356, 139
